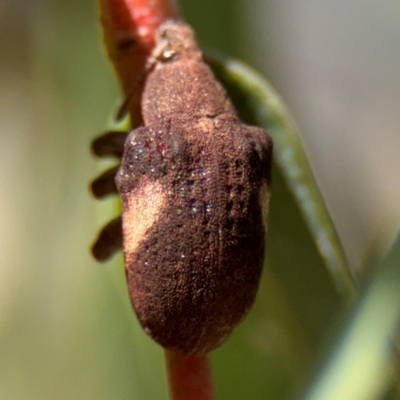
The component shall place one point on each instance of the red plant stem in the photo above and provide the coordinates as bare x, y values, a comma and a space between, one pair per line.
129, 29
189, 377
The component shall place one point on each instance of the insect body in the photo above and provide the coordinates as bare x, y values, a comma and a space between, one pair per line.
194, 183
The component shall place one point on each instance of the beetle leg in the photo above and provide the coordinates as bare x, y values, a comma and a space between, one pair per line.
109, 240
109, 144
105, 184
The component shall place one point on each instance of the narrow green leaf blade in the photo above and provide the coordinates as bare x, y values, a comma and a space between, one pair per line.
360, 363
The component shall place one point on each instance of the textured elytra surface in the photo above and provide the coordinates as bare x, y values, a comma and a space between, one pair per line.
194, 271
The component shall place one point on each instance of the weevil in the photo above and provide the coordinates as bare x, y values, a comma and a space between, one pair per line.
194, 183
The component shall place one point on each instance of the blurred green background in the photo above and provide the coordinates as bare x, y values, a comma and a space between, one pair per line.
66, 326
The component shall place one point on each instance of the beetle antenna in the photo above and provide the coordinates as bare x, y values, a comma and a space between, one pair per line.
124, 107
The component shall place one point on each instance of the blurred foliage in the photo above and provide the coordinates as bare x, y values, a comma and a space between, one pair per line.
67, 330
363, 364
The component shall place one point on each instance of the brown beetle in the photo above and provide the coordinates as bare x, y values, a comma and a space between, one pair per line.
194, 183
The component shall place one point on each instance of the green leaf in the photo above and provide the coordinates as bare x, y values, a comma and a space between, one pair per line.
360, 363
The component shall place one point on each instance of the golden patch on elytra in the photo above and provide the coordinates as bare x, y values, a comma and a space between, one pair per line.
140, 214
